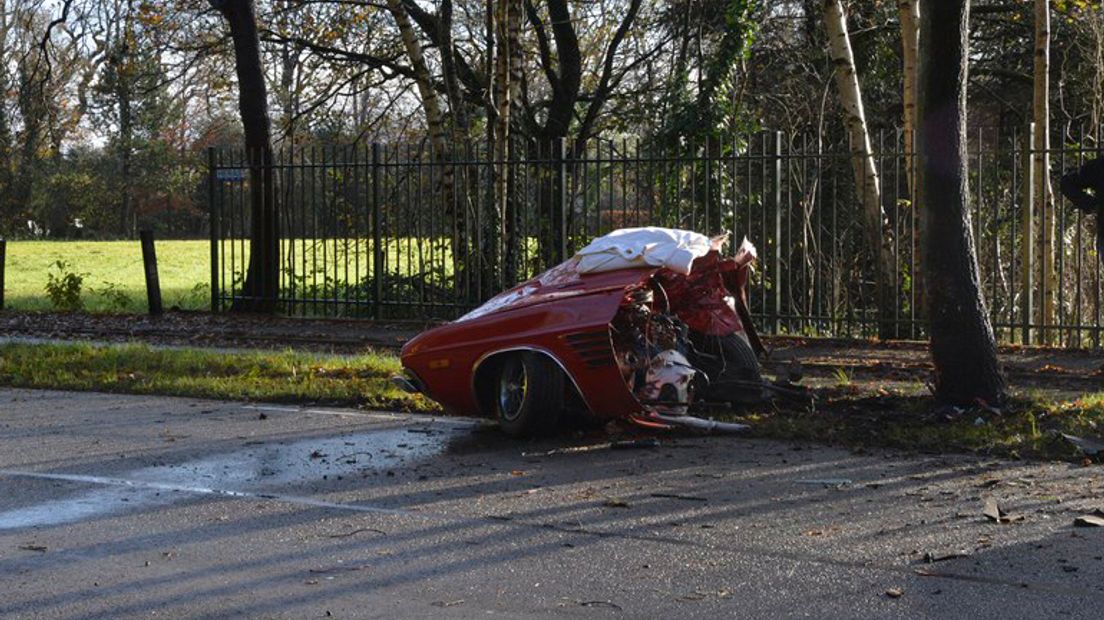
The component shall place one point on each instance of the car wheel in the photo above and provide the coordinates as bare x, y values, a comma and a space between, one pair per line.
731, 365
529, 395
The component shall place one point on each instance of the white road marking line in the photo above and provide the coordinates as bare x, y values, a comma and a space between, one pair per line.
199, 490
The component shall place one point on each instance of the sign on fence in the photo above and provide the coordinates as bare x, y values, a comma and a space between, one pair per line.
230, 175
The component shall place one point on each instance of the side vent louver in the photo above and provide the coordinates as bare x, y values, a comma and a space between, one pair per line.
593, 347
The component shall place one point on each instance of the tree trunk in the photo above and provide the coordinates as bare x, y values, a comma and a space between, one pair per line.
878, 232
438, 134
5, 126
1097, 117
909, 12
1044, 196
487, 221
261, 287
511, 243
963, 349
503, 101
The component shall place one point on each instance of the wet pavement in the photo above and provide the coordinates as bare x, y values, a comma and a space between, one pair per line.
131, 506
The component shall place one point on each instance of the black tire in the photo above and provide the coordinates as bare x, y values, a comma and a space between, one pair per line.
528, 395
731, 365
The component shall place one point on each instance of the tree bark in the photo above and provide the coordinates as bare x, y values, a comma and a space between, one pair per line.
1044, 193
504, 16
876, 225
962, 345
438, 133
909, 12
512, 245
261, 287
5, 124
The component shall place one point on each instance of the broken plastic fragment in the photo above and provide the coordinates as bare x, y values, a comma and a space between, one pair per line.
1088, 446
994, 513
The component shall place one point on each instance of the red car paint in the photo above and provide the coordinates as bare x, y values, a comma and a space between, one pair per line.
566, 316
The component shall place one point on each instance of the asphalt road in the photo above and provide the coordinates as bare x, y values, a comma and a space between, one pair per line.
129, 506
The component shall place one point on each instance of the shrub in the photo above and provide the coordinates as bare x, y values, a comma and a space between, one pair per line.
64, 287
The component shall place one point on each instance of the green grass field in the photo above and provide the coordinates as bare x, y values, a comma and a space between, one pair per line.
184, 269
113, 279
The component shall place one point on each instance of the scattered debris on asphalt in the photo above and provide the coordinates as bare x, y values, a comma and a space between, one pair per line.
895, 592
629, 444
1096, 519
339, 569
827, 482
932, 558
608, 604
357, 531
996, 514
635, 444
689, 498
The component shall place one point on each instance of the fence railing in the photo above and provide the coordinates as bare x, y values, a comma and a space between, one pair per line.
389, 231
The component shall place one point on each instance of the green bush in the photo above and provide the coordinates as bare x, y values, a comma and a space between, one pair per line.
64, 287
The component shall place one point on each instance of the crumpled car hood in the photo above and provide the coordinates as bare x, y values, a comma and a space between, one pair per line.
561, 282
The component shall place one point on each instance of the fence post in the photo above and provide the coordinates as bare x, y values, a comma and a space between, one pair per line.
149, 261
377, 237
776, 267
1028, 231
214, 227
3, 260
560, 153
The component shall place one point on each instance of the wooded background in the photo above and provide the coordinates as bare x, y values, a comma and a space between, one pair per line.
108, 105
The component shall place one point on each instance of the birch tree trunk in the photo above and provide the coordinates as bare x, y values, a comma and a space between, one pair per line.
435, 121
878, 233
438, 133
511, 51
503, 92
5, 125
909, 12
1044, 196
964, 352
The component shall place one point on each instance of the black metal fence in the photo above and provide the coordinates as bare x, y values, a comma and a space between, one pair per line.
389, 231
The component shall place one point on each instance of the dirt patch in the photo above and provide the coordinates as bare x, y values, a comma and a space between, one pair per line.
906, 362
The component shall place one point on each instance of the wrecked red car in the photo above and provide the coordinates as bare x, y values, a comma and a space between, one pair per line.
646, 324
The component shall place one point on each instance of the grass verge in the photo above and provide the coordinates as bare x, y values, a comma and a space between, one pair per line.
288, 377
855, 415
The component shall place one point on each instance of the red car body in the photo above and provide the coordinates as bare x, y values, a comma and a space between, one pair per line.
566, 316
